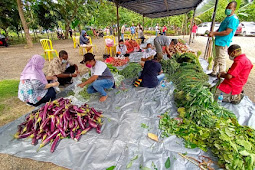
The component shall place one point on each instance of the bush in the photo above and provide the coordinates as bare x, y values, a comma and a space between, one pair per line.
150, 32
170, 32
90, 33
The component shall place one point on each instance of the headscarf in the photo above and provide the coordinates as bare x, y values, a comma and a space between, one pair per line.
33, 69
83, 39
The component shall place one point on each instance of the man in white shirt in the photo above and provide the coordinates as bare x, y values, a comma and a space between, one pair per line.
101, 77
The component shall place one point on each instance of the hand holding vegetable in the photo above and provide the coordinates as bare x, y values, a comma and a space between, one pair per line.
81, 85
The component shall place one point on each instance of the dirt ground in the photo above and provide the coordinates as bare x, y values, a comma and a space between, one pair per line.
14, 59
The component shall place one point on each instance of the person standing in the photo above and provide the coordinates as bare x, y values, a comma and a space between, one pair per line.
223, 38
194, 31
157, 29
164, 30
236, 77
70, 32
123, 28
159, 42
140, 35
132, 30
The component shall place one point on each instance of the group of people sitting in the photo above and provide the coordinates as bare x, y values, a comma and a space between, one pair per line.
36, 88
127, 47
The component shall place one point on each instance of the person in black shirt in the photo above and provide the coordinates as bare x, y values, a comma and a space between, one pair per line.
152, 73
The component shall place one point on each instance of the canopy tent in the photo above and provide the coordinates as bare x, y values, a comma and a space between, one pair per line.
159, 8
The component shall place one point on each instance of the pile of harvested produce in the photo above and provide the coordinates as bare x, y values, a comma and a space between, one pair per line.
131, 71
117, 62
203, 123
112, 68
179, 48
57, 120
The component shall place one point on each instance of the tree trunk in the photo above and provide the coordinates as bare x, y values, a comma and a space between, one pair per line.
24, 24
18, 34
67, 29
79, 26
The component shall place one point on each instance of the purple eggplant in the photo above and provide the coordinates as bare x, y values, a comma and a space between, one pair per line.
25, 135
72, 134
61, 120
47, 140
34, 140
92, 123
59, 110
71, 123
44, 123
44, 114
53, 122
98, 129
65, 122
80, 121
78, 135
53, 146
62, 131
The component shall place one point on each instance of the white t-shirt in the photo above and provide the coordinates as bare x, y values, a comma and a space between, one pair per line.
122, 50
102, 71
98, 69
148, 54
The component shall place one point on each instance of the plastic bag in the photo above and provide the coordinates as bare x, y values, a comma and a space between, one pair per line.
109, 42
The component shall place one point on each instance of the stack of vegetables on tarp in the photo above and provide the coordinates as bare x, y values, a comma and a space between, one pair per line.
117, 62
57, 120
202, 122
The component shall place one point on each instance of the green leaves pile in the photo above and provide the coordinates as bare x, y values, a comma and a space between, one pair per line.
131, 71
203, 123
84, 93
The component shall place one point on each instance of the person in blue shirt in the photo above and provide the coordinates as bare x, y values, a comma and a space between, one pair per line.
132, 30
223, 38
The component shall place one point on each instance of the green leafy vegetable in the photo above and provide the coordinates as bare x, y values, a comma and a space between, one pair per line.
167, 163
111, 168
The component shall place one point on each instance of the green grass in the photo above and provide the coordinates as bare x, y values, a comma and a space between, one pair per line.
8, 88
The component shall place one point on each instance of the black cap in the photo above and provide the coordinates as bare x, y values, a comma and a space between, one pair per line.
87, 57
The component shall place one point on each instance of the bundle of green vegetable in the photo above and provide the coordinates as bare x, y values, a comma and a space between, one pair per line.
112, 68
84, 93
57, 120
203, 123
131, 71
118, 79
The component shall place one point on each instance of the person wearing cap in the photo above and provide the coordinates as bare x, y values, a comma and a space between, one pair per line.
84, 40
101, 76
159, 42
236, 77
63, 69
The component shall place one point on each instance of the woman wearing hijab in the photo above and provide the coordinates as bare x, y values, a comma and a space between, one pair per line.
84, 40
34, 88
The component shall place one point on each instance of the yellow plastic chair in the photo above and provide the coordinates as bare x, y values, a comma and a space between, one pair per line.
110, 50
127, 36
48, 49
85, 48
76, 41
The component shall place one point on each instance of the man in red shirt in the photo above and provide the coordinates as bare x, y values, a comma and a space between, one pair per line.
194, 31
236, 77
164, 30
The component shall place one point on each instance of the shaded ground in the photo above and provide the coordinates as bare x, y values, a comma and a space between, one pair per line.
14, 59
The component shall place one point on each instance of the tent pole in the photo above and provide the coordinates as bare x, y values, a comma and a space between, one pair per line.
191, 25
118, 22
209, 41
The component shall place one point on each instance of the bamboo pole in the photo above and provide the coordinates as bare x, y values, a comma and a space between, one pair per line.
208, 48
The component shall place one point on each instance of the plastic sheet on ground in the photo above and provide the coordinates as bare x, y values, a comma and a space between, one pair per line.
122, 136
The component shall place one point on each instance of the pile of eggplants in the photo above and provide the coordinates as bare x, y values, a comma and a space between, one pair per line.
57, 120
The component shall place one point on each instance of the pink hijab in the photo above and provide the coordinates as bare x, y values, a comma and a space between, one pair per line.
33, 69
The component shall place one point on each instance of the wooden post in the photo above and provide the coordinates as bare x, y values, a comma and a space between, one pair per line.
143, 21
191, 25
118, 24
208, 48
